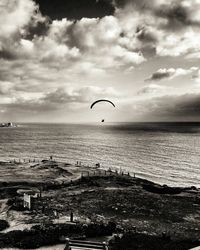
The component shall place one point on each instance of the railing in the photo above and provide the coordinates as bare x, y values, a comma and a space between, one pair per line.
78, 244
101, 172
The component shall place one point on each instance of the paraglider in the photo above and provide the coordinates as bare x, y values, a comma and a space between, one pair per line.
101, 100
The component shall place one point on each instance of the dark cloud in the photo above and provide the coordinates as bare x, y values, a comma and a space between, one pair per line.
148, 50
171, 73
7, 54
39, 29
187, 105
145, 36
158, 76
177, 16
174, 108
75, 9
148, 41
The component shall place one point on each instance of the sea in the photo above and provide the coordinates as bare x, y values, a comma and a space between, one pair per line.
166, 153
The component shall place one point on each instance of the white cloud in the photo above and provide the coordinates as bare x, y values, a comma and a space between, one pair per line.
57, 99
5, 87
155, 90
14, 16
172, 26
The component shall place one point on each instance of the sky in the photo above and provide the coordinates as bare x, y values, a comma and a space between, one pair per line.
57, 57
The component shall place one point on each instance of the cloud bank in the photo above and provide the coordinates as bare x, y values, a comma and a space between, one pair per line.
52, 58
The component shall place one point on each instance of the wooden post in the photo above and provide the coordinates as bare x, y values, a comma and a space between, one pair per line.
71, 216
105, 247
67, 247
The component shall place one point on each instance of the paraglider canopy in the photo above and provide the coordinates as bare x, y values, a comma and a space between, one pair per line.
102, 100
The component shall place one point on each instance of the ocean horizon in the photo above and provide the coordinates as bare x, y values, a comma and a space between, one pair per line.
164, 152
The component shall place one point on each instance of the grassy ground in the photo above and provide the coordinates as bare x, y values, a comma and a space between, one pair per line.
125, 201
129, 202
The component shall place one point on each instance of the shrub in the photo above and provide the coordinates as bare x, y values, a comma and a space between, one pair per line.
3, 224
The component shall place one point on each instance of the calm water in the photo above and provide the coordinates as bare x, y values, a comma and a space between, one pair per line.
167, 153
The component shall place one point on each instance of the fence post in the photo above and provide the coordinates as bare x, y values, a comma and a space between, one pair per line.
67, 247
105, 247
71, 217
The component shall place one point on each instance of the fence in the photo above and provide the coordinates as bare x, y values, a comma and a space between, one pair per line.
96, 172
101, 172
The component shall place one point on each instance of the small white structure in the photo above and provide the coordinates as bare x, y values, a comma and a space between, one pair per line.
29, 196
27, 201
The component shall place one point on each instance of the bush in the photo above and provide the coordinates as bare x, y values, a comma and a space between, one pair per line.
3, 225
50, 234
161, 189
136, 241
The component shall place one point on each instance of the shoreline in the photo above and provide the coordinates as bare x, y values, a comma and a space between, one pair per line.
146, 176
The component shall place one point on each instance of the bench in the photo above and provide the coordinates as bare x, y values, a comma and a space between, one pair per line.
80, 244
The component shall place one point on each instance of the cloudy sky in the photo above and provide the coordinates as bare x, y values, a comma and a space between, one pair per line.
57, 57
